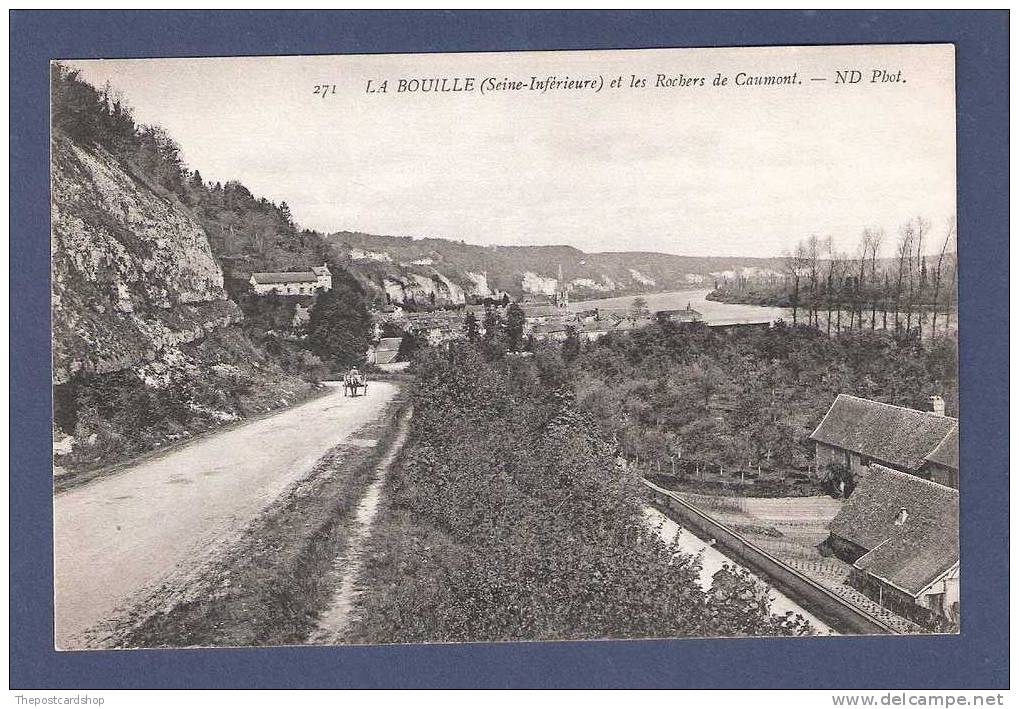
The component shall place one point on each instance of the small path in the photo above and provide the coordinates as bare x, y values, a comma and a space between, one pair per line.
333, 624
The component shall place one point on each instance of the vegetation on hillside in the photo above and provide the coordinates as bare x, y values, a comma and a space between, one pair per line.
594, 275
245, 232
189, 390
340, 323
234, 372
669, 396
507, 519
747, 400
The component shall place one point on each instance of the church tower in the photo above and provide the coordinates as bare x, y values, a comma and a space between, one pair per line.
562, 293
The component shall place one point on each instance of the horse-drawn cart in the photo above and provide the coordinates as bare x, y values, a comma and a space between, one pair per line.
355, 382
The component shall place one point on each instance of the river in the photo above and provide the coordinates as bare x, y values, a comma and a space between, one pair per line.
714, 313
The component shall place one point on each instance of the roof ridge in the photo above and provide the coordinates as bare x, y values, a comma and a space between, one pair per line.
896, 406
914, 477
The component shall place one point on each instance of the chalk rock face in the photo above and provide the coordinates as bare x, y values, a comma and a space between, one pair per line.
417, 288
132, 271
534, 283
479, 284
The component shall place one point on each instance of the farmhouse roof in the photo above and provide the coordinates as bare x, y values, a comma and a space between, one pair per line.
549, 328
893, 435
539, 310
946, 454
285, 277
387, 349
908, 553
681, 312
388, 343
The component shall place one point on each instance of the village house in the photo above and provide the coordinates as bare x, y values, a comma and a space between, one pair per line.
548, 332
535, 313
593, 329
858, 432
292, 282
479, 309
901, 534
686, 314
384, 351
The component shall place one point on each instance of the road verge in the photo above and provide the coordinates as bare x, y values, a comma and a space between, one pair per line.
270, 587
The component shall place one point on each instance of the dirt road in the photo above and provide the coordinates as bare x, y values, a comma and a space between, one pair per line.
118, 536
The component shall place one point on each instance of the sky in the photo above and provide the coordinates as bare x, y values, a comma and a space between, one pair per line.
700, 170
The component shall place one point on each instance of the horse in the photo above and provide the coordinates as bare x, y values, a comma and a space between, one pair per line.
353, 382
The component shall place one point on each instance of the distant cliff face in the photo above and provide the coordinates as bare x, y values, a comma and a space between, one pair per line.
132, 272
446, 272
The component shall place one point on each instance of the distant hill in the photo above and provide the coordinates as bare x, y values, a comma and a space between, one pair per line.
443, 271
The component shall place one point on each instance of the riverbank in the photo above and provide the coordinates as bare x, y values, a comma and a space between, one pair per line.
712, 312
874, 316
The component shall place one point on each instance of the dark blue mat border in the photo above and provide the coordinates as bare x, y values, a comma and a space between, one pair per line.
978, 658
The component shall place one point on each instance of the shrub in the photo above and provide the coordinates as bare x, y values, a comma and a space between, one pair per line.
508, 520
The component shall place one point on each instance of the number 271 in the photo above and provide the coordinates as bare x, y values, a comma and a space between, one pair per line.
324, 89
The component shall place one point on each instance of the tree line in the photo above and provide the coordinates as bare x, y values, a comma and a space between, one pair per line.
909, 290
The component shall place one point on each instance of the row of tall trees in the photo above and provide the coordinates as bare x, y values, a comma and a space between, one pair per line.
907, 292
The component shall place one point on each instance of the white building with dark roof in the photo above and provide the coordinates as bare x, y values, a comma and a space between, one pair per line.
858, 432
292, 282
385, 351
901, 534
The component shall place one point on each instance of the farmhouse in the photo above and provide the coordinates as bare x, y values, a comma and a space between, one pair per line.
942, 464
857, 432
901, 534
292, 282
385, 351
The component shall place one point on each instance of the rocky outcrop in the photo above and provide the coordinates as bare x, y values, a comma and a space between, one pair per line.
416, 288
132, 271
392, 264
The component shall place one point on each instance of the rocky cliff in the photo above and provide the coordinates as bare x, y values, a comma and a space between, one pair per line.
132, 272
447, 272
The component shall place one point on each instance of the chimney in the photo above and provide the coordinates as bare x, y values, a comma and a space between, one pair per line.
900, 519
938, 405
